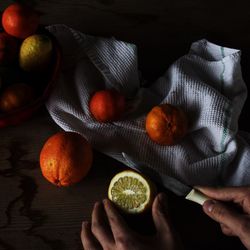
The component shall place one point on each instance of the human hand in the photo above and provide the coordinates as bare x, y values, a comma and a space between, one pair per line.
232, 221
108, 230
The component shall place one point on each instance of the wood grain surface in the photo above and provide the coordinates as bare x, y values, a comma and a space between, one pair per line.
36, 215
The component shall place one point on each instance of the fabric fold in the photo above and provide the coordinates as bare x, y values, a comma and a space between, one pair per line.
206, 83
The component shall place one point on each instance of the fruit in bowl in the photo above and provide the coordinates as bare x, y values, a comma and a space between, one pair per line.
35, 53
20, 21
42, 84
16, 96
35, 63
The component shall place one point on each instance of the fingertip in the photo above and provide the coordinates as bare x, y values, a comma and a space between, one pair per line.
106, 202
97, 204
159, 207
160, 214
208, 206
84, 223
108, 206
161, 200
85, 228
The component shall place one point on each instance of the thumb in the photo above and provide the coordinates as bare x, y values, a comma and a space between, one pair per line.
160, 216
223, 214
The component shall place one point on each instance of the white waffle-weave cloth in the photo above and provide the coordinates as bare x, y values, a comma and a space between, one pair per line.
206, 83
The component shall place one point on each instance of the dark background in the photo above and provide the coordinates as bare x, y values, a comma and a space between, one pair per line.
162, 31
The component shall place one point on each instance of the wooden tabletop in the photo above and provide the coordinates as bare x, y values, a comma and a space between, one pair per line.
34, 214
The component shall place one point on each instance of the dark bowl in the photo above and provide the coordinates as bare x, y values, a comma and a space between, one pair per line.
45, 85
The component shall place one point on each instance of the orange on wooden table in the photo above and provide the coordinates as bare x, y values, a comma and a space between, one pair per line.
20, 20
66, 158
166, 124
107, 105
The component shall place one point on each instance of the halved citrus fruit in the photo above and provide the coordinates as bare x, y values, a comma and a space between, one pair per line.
131, 192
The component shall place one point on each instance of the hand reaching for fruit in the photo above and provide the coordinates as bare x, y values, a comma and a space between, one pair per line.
108, 230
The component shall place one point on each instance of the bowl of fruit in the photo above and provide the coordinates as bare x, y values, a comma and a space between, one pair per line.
30, 59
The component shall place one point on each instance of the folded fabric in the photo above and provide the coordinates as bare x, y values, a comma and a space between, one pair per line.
206, 83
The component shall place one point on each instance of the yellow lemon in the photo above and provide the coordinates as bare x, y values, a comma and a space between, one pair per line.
35, 53
131, 192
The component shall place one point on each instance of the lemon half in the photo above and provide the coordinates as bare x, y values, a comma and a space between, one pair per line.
131, 192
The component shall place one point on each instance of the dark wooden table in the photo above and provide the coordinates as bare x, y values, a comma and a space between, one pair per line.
35, 214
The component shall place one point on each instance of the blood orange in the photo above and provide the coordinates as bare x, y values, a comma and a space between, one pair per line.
66, 158
20, 20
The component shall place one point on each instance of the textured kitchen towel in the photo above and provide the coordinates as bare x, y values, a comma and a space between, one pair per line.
206, 83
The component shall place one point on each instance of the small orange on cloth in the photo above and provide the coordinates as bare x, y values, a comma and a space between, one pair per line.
20, 20
66, 158
166, 124
107, 105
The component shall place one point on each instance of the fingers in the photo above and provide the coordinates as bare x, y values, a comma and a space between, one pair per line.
99, 228
159, 213
224, 215
88, 240
117, 224
235, 194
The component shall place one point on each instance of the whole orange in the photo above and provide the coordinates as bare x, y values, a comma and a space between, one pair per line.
20, 20
15, 96
66, 158
107, 105
166, 124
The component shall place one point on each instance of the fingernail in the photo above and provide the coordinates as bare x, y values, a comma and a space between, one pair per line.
97, 204
162, 202
105, 201
209, 205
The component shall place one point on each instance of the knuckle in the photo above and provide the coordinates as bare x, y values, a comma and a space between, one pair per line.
112, 219
94, 227
123, 242
246, 192
87, 245
245, 202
